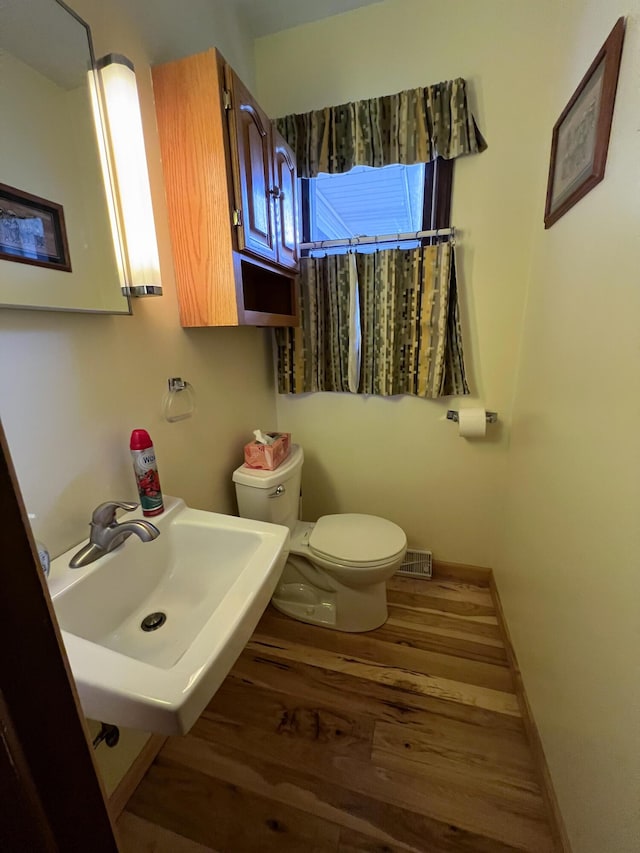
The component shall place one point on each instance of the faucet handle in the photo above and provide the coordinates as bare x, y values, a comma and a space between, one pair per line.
105, 514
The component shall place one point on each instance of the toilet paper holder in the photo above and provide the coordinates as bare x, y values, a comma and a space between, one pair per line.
452, 415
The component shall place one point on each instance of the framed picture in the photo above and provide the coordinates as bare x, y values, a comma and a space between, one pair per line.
32, 230
581, 134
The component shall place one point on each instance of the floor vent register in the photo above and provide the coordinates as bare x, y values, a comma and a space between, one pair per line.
416, 564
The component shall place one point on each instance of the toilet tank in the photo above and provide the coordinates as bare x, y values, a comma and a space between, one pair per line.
271, 495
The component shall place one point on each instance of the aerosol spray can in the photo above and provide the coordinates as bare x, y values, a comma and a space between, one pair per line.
146, 472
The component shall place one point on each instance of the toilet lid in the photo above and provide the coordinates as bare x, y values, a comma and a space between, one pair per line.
355, 538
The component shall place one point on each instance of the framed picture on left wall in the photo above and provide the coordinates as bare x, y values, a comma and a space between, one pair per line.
32, 230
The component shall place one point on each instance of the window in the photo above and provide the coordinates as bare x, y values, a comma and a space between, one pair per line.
372, 202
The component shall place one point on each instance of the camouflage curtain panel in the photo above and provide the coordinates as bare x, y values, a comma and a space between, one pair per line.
407, 305
411, 340
317, 356
414, 126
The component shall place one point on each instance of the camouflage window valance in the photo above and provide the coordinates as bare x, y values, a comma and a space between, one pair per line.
414, 126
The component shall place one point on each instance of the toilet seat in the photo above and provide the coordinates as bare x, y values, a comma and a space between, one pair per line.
357, 541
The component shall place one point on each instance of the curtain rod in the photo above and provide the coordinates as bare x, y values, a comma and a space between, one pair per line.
383, 238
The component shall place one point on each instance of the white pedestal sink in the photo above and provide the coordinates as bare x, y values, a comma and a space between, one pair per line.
212, 576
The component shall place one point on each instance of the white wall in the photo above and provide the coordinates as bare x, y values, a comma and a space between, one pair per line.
72, 386
401, 458
568, 565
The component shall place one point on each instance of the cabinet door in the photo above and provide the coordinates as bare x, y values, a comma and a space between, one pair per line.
285, 173
252, 172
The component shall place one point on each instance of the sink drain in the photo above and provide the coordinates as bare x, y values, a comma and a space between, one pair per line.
153, 621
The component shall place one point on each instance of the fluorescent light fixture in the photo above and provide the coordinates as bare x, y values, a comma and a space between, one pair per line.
141, 274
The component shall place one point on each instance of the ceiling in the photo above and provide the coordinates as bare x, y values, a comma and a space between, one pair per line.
263, 17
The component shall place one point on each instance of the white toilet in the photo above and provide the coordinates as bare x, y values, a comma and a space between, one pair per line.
337, 568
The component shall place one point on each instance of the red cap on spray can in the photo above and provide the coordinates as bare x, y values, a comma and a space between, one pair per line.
140, 440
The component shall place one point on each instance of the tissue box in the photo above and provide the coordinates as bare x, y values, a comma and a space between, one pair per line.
268, 456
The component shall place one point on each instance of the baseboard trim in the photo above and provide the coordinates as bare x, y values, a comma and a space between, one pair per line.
461, 572
558, 829
134, 775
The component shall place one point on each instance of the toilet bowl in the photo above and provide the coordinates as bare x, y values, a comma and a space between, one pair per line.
337, 568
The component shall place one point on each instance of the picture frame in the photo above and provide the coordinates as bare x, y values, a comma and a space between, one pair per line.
32, 230
580, 139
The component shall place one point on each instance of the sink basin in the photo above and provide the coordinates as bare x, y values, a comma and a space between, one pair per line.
210, 575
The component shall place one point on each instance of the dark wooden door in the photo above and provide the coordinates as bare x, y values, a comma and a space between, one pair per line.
285, 175
52, 798
252, 172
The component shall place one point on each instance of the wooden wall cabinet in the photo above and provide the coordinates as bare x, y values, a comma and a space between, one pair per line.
230, 181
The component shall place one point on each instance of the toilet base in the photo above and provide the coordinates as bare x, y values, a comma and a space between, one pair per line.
326, 602
301, 602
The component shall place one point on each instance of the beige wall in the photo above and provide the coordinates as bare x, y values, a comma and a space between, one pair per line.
401, 458
72, 386
568, 565
554, 503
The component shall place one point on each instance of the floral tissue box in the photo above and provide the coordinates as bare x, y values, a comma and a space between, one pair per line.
268, 456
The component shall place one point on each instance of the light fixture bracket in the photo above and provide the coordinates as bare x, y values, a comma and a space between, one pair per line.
142, 290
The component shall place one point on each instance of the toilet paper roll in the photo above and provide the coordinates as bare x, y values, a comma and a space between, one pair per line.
472, 423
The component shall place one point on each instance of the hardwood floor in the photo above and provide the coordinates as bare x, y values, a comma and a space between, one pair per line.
407, 738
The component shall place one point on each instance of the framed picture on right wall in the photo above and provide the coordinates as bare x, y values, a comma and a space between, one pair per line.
581, 135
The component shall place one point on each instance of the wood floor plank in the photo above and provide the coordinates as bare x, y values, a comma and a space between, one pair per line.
516, 817
374, 647
422, 620
483, 611
411, 682
441, 795
294, 787
136, 835
363, 696
382, 823
293, 717
404, 634
458, 842
230, 819
498, 758
351, 841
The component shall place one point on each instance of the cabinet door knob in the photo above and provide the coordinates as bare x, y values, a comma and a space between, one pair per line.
275, 192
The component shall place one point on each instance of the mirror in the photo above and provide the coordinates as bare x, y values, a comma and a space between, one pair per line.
57, 248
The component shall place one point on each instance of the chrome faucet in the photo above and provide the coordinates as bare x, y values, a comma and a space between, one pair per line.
107, 534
